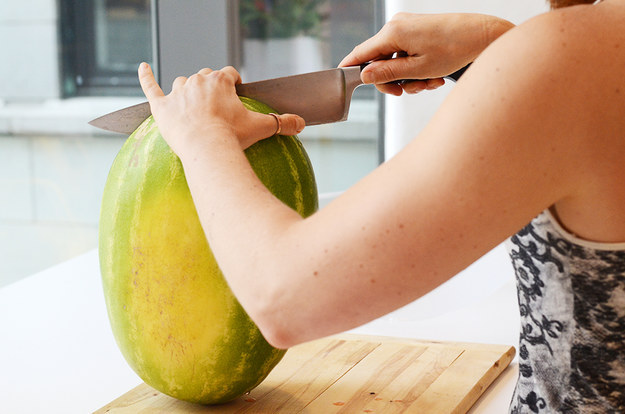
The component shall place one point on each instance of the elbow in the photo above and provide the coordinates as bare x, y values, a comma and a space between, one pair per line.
276, 320
277, 331
277, 336
274, 296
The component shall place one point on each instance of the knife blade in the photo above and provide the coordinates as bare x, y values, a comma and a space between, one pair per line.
319, 97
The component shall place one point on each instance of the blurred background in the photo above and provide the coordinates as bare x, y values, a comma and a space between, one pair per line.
65, 62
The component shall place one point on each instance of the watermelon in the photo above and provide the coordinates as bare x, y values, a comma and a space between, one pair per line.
173, 316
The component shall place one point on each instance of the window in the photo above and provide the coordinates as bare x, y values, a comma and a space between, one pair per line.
103, 42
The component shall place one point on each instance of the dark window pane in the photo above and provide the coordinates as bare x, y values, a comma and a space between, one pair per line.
103, 43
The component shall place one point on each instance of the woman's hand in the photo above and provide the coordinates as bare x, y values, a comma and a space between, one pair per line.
206, 105
419, 46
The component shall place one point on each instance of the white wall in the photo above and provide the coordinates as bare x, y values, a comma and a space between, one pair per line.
29, 63
51, 189
407, 115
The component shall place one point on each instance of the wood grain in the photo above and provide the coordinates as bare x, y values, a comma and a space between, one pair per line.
354, 374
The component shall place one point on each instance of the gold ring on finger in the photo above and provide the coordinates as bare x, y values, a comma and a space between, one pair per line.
279, 123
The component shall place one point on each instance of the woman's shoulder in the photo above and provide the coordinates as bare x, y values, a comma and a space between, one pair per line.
580, 36
560, 73
570, 56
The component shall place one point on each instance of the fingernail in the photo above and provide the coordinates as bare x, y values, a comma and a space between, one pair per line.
300, 125
368, 76
143, 66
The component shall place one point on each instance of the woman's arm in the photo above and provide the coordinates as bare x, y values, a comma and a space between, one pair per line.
488, 162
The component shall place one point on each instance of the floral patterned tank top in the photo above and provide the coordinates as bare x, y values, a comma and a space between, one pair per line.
571, 296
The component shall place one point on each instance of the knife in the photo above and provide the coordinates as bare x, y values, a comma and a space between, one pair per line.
319, 97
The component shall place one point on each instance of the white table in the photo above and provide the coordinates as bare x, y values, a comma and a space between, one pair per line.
58, 355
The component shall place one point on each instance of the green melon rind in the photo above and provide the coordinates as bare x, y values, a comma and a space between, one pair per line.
263, 156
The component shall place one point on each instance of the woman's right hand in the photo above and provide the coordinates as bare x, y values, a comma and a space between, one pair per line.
420, 46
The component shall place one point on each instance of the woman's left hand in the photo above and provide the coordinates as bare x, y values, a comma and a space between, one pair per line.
206, 105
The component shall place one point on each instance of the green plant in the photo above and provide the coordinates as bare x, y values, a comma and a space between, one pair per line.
262, 19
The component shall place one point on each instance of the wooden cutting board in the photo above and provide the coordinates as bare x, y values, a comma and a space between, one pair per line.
354, 374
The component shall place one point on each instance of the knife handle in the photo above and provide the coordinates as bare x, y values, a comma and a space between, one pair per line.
457, 74
454, 76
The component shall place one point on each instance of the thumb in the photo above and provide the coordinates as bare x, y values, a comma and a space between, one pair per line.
150, 87
384, 71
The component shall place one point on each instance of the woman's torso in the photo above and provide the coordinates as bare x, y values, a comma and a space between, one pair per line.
572, 339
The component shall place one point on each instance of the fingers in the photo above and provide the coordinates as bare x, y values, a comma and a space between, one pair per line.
233, 73
389, 40
422, 85
282, 124
405, 67
265, 126
290, 124
434, 83
371, 49
178, 82
383, 71
390, 88
150, 87
410, 87
227, 72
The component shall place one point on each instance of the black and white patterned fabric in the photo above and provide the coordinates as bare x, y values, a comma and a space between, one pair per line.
572, 340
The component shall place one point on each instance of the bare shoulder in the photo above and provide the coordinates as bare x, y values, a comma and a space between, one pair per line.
580, 40
592, 29
580, 52
565, 68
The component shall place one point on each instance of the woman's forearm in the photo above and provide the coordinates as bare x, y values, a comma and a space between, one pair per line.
240, 217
